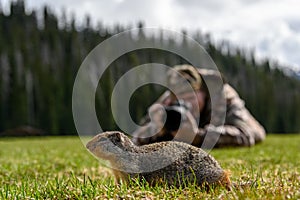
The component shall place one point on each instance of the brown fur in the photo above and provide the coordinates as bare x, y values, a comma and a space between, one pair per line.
172, 162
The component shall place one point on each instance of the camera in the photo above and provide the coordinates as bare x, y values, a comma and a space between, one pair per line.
175, 113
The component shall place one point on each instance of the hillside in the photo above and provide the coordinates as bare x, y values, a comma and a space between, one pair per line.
39, 59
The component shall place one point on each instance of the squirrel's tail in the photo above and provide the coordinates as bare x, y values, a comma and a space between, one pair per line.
225, 179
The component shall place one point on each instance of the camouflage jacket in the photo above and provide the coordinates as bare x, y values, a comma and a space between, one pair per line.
239, 128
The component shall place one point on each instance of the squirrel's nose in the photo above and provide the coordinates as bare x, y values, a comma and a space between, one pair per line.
90, 146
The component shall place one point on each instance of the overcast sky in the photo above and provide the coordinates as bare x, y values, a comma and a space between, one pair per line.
271, 27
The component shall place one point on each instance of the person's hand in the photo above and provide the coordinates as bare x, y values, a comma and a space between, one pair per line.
157, 114
187, 130
154, 128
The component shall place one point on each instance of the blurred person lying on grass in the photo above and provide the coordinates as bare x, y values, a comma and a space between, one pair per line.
235, 125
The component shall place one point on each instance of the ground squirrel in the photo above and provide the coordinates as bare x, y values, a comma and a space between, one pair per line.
168, 162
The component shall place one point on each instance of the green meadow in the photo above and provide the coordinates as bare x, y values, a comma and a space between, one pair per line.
61, 168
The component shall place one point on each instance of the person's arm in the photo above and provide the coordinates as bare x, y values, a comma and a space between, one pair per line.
151, 129
211, 136
222, 136
240, 134
240, 129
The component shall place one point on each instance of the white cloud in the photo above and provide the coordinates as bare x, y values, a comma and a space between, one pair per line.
272, 27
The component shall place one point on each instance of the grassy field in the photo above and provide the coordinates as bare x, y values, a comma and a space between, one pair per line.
61, 168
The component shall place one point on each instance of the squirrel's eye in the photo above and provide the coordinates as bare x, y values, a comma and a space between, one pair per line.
118, 139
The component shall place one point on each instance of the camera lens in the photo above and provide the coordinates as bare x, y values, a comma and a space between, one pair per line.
174, 114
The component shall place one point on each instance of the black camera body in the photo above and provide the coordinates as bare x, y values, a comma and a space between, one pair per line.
175, 113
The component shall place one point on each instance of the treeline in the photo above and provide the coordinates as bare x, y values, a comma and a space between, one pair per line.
39, 59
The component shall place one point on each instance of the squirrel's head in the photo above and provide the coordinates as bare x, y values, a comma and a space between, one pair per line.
107, 144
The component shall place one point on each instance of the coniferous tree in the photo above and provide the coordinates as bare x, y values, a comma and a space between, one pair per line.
39, 61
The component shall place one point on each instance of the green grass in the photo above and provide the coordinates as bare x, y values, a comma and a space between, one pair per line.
61, 168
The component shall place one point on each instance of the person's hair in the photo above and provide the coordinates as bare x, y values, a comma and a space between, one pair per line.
191, 74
